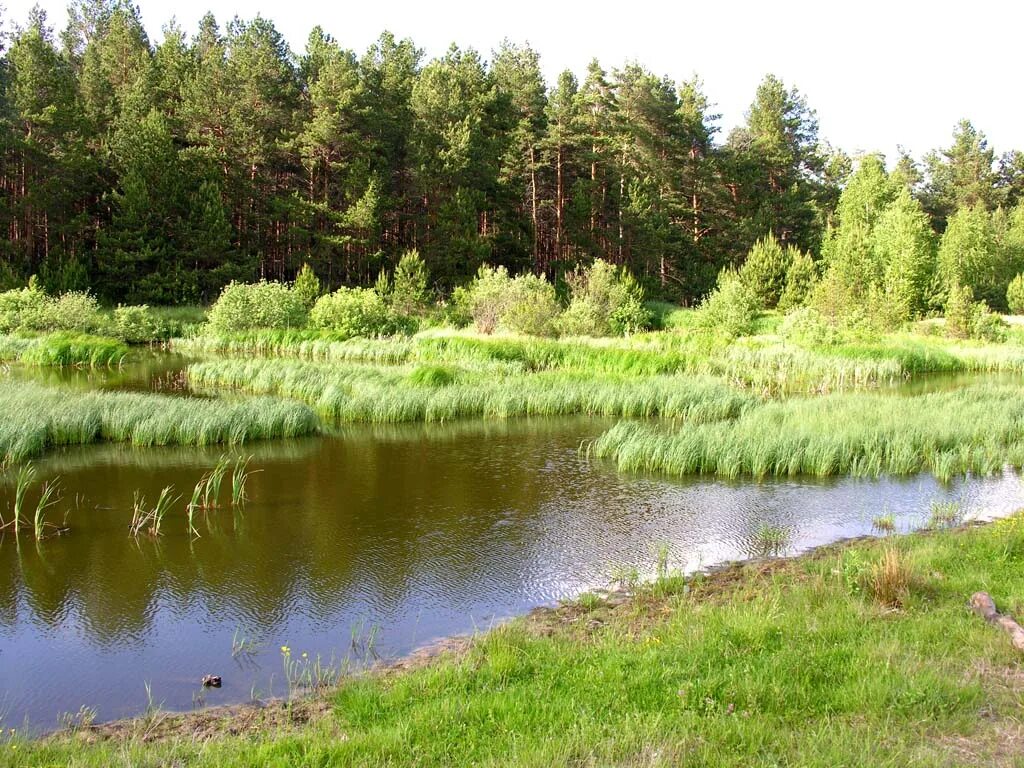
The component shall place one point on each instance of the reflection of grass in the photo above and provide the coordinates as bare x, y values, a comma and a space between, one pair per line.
37, 418
739, 670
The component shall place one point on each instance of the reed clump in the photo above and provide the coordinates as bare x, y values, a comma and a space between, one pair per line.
64, 349
362, 393
37, 418
973, 430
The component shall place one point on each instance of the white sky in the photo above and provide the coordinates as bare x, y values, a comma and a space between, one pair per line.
878, 73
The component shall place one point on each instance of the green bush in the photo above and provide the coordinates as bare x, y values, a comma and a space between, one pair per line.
987, 325
731, 308
307, 286
807, 327
31, 309
960, 311
408, 291
604, 301
250, 306
800, 280
532, 306
1015, 295
764, 271
487, 297
138, 325
353, 312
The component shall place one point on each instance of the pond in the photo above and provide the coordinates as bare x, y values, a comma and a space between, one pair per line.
389, 537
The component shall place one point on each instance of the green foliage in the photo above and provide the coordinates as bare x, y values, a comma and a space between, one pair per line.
65, 348
807, 327
523, 304
731, 308
532, 308
355, 312
969, 256
138, 325
38, 418
765, 269
432, 376
603, 301
30, 309
801, 277
247, 306
408, 292
307, 286
905, 245
1015, 295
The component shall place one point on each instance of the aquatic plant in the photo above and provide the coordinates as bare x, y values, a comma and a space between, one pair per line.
884, 523
770, 540
150, 520
212, 483
975, 429
37, 418
46, 500
239, 478
945, 514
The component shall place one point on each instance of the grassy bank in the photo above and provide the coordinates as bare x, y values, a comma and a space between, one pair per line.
766, 364
977, 429
37, 418
63, 349
858, 655
435, 393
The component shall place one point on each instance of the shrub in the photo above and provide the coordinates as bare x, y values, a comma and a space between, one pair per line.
532, 306
806, 326
138, 325
18, 304
487, 297
353, 312
604, 301
1015, 295
987, 325
408, 290
249, 306
730, 308
800, 280
960, 310
764, 271
307, 286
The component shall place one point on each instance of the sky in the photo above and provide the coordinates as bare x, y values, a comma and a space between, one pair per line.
878, 74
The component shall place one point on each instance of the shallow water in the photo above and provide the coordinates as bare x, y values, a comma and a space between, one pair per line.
409, 532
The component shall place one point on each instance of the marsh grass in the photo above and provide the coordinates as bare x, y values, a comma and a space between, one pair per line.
945, 514
37, 418
770, 540
150, 520
891, 578
239, 478
972, 430
361, 393
212, 482
884, 523
48, 496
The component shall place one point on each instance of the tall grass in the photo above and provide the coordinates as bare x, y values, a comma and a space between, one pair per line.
359, 393
763, 364
63, 349
978, 429
37, 418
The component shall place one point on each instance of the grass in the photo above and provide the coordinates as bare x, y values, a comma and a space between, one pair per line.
38, 418
977, 429
884, 523
63, 350
779, 663
362, 393
763, 363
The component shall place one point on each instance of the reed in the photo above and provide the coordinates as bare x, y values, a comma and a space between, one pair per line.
37, 418
213, 481
973, 430
770, 540
47, 498
25, 477
239, 478
150, 520
884, 523
360, 393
